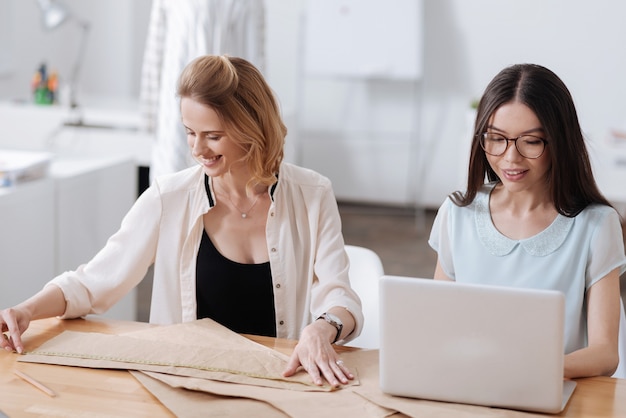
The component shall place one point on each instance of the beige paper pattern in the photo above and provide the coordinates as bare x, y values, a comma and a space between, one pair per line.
202, 349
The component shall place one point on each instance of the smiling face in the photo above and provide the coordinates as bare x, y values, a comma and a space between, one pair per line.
516, 172
209, 144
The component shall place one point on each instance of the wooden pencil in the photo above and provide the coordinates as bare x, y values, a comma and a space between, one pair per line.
35, 383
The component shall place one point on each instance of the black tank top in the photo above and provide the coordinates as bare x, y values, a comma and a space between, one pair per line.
238, 296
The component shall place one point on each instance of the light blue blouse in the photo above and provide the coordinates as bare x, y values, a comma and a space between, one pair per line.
570, 255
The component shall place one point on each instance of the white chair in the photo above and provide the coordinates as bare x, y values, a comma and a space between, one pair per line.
621, 367
365, 270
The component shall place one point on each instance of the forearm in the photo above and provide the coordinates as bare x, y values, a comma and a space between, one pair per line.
439, 273
328, 332
598, 360
49, 302
600, 357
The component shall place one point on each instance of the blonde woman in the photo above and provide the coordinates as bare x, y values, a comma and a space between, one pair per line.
243, 237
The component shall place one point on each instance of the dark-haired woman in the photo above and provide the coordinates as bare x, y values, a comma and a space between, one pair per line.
532, 215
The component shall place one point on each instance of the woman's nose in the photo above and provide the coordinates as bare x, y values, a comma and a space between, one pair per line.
199, 146
511, 153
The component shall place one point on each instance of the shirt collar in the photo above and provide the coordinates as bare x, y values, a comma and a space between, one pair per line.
539, 245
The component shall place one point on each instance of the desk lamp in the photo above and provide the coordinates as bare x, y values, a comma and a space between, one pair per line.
53, 15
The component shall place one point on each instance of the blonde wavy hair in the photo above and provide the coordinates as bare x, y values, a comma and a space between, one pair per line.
246, 105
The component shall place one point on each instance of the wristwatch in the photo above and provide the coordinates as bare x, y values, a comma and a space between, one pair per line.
334, 321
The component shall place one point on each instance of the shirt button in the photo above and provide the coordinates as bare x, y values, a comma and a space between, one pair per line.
271, 213
277, 285
273, 250
282, 322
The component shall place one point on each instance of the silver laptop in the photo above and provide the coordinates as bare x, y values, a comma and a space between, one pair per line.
473, 344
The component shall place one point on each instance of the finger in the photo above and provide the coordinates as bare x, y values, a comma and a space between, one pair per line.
338, 372
15, 339
314, 373
5, 343
16, 342
328, 369
292, 365
344, 369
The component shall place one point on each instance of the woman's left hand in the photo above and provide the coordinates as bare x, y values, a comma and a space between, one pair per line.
317, 357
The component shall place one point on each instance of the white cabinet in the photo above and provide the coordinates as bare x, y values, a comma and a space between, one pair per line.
27, 225
55, 224
92, 196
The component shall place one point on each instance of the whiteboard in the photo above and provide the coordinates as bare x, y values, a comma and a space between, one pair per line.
364, 38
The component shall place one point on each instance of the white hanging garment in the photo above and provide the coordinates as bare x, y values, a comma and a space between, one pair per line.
178, 32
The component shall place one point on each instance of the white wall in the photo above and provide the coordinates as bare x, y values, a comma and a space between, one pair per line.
466, 44
114, 48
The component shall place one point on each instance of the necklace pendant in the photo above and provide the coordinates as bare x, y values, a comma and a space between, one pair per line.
243, 215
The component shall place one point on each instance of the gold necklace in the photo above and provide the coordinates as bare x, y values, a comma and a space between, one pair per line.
244, 214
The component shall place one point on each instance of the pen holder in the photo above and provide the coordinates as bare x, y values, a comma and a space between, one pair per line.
44, 86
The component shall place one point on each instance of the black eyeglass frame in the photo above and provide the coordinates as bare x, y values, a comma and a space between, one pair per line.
481, 140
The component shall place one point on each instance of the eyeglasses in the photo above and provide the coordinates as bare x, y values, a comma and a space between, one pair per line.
528, 146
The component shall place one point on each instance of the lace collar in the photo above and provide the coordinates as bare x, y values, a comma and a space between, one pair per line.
542, 244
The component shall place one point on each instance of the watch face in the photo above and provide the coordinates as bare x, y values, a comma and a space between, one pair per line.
333, 319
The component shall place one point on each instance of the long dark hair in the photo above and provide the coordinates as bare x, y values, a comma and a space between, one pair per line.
570, 179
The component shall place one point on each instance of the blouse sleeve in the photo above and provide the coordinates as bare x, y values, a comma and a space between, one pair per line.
119, 266
606, 250
440, 238
332, 266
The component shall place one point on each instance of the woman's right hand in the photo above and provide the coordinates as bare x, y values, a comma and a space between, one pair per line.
50, 301
13, 323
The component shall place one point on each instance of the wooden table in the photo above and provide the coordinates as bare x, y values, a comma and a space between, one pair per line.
117, 393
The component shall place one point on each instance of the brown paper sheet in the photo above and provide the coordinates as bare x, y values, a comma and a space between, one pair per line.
342, 403
185, 403
201, 349
365, 400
